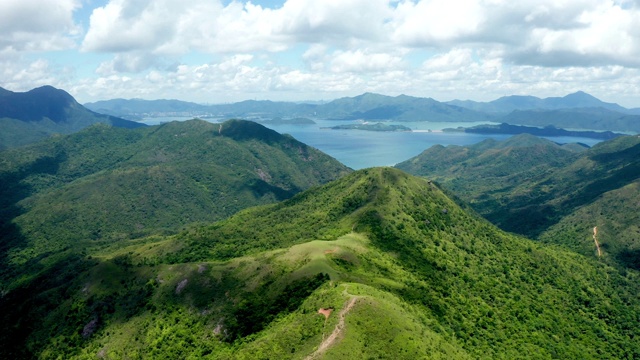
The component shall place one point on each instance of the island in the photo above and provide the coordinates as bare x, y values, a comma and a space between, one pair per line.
371, 127
550, 130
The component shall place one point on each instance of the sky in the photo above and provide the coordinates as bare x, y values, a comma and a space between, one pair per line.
213, 51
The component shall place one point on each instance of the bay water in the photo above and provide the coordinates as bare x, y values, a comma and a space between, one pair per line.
360, 149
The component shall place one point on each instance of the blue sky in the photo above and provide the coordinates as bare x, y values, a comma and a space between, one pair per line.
216, 51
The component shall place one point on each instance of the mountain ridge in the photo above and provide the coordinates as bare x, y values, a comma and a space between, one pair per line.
507, 104
577, 110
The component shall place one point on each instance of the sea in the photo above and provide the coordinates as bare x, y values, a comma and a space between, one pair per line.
360, 149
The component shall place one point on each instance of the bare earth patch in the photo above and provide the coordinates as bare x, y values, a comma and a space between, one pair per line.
325, 312
337, 331
181, 286
595, 240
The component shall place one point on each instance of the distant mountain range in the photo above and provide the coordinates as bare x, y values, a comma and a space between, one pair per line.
507, 104
366, 106
26, 117
31, 116
575, 111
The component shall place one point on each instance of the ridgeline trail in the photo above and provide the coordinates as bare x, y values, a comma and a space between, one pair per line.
595, 240
331, 339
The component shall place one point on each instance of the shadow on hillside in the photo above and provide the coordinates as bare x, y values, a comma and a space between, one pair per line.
630, 258
13, 190
262, 188
23, 309
531, 218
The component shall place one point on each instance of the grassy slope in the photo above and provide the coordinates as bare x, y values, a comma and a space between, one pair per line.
429, 279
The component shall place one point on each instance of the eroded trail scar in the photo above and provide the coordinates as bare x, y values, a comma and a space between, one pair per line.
595, 240
331, 339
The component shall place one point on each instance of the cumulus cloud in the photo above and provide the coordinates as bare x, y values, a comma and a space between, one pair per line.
333, 20
173, 26
608, 35
35, 25
25, 75
541, 32
128, 62
438, 48
123, 25
435, 22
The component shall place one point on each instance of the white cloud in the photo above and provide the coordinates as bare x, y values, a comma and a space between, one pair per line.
128, 62
333, 20
25, 75
363, 61
123, 25
436, 22
214, 50
608, 35
36, 25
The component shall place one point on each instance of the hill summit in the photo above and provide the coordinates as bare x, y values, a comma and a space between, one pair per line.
26, 117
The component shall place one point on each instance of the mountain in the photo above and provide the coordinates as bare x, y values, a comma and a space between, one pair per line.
250, 109
375, 264
400, 108
547, 193
507, 104
490, 160
574, 111
578, 118
103, 184
36, 114
366, 106
135, 108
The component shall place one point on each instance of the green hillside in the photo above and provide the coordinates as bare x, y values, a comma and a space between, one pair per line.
27, 117
106, 184
614, 214
402, 271
548, 193
486, 173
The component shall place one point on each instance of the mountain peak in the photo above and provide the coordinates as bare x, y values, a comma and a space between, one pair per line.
52, 93
32, 113
247, 130
581, 95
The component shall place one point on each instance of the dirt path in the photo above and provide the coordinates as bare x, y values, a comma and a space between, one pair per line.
331, 339
595, 240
